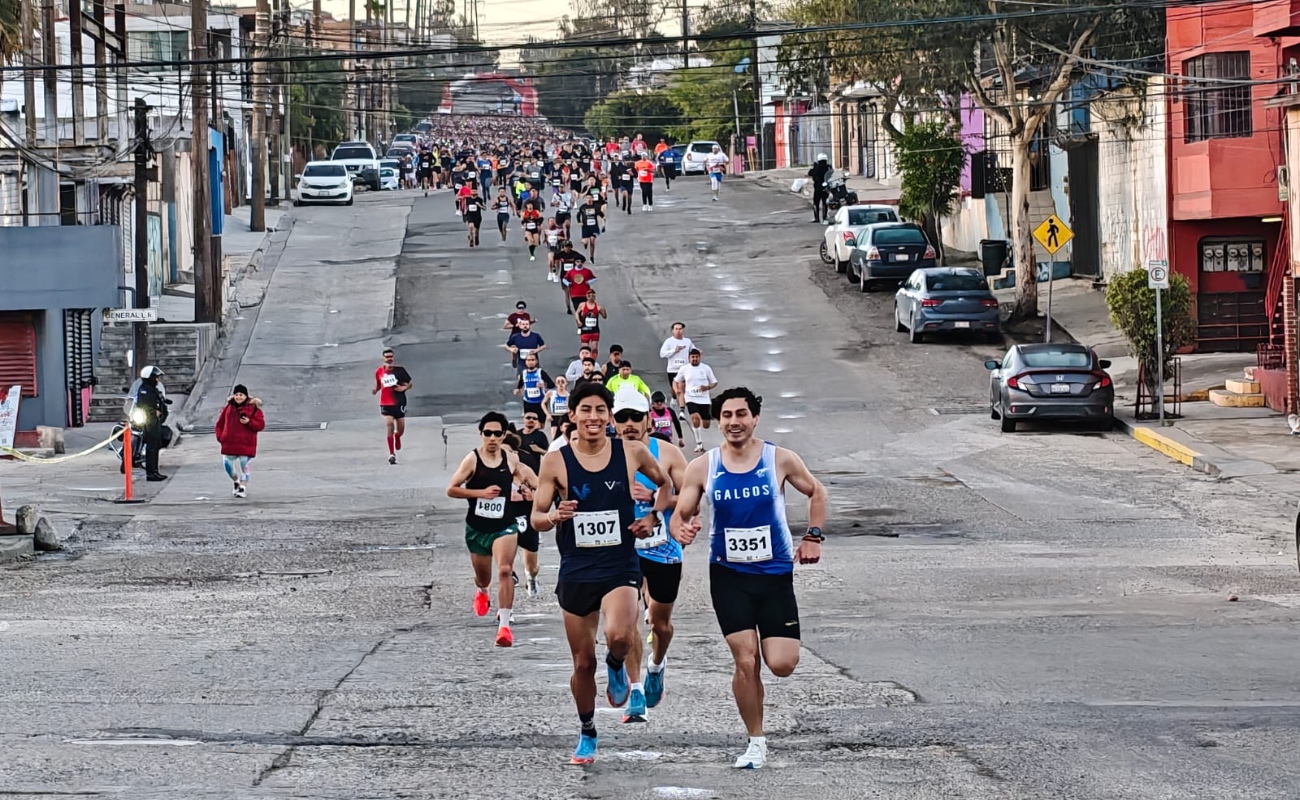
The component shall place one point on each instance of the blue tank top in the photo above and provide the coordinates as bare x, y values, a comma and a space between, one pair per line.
660, 546
750, 532
596, 544
533, 388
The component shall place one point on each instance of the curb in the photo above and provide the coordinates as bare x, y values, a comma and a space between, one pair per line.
1167, 446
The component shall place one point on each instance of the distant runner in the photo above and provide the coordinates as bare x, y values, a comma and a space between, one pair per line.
391, 384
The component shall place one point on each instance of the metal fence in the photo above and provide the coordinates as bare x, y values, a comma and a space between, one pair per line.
810, 134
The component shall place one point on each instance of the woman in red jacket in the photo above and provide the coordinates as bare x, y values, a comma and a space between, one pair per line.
237, 428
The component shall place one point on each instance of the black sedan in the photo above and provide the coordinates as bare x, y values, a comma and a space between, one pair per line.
1051, 381
887, 252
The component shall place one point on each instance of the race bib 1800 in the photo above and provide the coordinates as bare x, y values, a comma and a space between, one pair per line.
597, 528
494, 508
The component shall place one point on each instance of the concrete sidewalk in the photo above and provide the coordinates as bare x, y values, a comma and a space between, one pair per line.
1221, 442
868, 189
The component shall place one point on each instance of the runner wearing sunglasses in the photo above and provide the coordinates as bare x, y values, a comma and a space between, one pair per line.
484, 479
661, 555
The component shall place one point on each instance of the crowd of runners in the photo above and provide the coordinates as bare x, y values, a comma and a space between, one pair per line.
597, 456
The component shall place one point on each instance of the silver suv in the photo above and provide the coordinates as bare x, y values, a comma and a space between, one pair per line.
361, 162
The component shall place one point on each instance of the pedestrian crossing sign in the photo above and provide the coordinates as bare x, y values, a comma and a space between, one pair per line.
1053, 234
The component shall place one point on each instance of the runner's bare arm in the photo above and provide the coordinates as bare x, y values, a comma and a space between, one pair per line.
543, 517
685, 521
792, 470
456, 489
523, 475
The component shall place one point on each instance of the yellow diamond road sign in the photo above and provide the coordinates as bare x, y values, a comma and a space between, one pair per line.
1053, 234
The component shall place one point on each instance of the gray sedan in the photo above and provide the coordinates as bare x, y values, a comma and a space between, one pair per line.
1051, 381
942, 299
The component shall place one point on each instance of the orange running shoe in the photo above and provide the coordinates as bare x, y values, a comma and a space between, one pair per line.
481, 603
504, 637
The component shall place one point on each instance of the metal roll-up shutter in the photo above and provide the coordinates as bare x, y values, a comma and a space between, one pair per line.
18, 352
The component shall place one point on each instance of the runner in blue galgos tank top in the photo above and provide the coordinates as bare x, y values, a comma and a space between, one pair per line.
659, 546
749, 532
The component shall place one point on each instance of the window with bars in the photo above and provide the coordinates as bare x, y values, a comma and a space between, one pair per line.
1216, 110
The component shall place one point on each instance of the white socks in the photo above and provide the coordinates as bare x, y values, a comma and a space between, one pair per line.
656, 668
504, 617
699, 433
637, 687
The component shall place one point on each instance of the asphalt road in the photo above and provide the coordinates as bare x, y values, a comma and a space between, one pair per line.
1038, 615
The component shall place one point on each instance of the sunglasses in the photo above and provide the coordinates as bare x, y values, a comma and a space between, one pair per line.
493, 433
531, 418
628, 415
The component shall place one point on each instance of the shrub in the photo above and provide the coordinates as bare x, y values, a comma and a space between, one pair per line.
1133, 312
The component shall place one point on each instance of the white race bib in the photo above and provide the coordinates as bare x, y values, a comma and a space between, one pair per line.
746, 545
591, 322
597, 529
523, 353
676, 363
660, 536
388, 381
494, 508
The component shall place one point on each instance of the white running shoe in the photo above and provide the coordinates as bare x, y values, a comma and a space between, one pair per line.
241, 492
755, 756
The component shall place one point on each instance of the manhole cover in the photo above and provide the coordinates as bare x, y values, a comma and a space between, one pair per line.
945, 411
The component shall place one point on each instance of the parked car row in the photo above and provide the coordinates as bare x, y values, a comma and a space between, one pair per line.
875, 249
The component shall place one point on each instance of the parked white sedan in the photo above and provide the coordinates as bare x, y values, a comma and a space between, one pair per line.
324, 182
841, 234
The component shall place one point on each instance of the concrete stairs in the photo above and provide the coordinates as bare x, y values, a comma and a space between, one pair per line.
1040, 208
1239, 393
179, 349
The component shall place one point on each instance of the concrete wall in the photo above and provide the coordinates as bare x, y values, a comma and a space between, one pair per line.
1131, 188
57, 267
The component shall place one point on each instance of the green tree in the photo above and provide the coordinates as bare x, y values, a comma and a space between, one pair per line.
10, 30
317, 104
931, 158
651, 114
1133, 312
1016, 61
709, 96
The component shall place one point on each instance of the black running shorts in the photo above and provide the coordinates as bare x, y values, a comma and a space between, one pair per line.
662, 580
743, 601
529, 539
704, 410
583, 598
396, 412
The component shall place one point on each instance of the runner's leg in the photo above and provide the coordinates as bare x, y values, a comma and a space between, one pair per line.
503, 552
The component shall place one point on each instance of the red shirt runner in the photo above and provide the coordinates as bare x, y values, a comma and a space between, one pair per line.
579, 278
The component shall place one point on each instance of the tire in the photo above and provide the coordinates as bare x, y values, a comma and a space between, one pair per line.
1008, 425
898, 323
913, 335
297, 203
825, 254
1106, 425
349, 202
841, 266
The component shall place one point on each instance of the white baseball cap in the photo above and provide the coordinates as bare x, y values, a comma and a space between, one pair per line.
629, 399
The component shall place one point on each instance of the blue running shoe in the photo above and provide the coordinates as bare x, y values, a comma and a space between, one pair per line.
618, 687
585, 752
654, 688
635, 707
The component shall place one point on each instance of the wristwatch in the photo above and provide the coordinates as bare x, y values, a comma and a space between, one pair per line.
814, 534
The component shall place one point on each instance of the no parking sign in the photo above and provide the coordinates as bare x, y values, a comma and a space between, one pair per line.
1158, 275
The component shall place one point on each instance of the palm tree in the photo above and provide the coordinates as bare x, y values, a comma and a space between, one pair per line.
10, 30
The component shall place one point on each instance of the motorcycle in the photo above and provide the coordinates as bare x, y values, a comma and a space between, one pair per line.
136, 418
838, 194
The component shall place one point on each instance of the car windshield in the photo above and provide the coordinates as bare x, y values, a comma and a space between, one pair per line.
324, 171
352, 152
1059, 359
898, 236
870, 216
956, 282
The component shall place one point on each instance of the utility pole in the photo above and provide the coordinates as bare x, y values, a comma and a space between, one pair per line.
355, 94
758, 87
28, 10
101, 74
275, 95
123, 111
257, 215
143, 153
286, 78
686, 32
78, 78
50, 56
207, 268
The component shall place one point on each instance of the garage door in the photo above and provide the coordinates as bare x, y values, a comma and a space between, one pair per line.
18, 352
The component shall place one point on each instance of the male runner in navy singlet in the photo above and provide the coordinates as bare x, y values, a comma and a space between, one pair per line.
751, 550
600, 571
